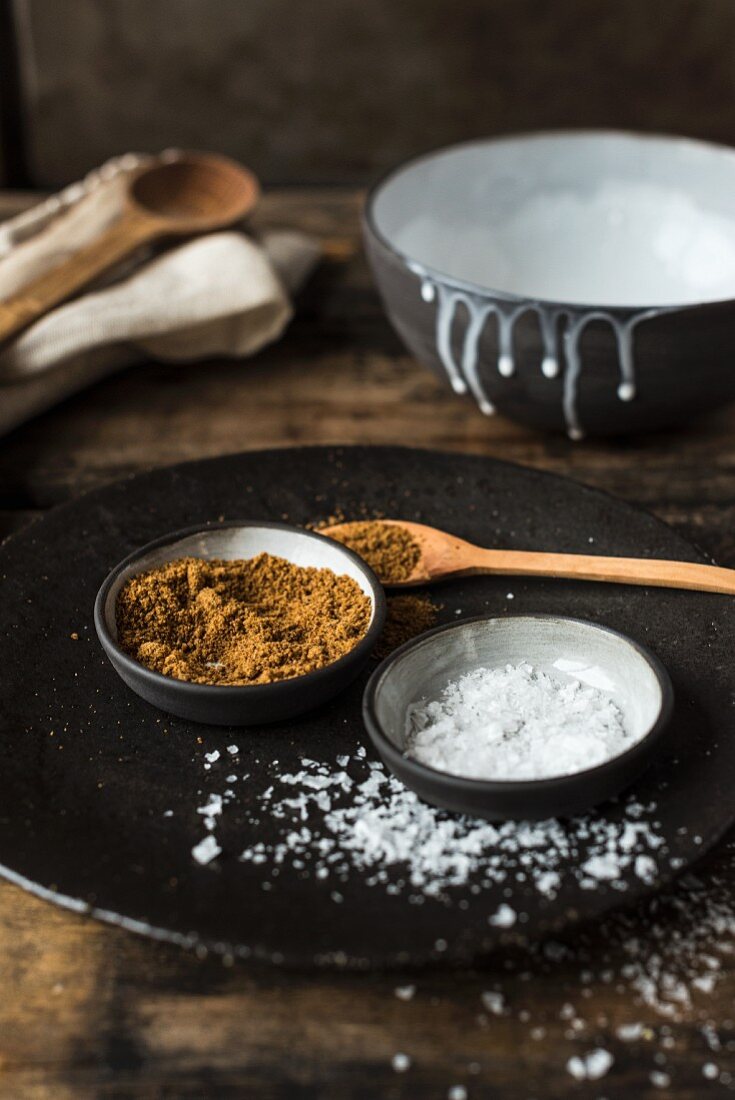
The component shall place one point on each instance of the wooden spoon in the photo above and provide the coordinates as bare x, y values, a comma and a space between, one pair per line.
444, 555
196, 193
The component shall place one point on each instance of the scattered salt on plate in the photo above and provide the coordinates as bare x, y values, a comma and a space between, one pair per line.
400, 1062
591, 1066
493, 1001
336, 822
206, 850
503, 917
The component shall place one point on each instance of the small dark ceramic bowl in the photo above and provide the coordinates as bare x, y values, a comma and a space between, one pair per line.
580, 281
565, 648
249, 705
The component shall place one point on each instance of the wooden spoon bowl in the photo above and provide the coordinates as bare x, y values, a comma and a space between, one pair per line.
196, 191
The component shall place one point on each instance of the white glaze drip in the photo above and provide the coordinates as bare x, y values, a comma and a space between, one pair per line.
626, 388
479, 311
623, 331
574, 327
466, 374
448, 302
506, 361
547, 324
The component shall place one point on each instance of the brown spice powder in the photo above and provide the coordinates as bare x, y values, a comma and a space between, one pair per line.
390, 550
240, 622
408, 616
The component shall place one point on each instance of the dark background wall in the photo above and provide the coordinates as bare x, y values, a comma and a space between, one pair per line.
336, 90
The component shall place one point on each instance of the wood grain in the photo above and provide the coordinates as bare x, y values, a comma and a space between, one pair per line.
89, 1011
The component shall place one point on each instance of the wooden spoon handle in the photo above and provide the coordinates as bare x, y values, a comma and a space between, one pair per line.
643, 571
54, 286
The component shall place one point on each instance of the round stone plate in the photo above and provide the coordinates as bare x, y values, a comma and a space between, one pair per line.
100, 793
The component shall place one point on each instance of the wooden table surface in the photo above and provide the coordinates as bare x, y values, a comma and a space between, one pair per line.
90, 1011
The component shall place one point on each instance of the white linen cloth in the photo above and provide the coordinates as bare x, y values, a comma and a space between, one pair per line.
223, 294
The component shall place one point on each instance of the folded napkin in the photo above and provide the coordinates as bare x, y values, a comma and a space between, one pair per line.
224, 294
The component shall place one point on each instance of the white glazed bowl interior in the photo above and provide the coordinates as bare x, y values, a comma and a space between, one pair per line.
229, 543
592, 218
567, 649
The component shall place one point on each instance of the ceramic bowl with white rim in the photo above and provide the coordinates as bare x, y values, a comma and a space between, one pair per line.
252, 704
566, 649
582, 281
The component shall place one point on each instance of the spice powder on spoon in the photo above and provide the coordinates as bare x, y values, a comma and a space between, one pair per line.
240, 622
392, 553
390, 550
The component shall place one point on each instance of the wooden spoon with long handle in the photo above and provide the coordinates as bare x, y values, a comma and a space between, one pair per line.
443, 555
196, 193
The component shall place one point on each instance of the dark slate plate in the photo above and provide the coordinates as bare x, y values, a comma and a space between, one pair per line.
89, 770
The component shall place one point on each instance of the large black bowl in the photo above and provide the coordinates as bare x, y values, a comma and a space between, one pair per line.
573, 281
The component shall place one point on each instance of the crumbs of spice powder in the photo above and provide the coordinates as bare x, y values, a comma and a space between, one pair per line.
407, 617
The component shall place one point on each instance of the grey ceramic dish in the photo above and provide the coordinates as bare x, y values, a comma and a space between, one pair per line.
580, 281
565, 647
259, 703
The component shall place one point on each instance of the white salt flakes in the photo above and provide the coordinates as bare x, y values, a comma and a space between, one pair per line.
400, 1062
602, 867
515, 722
503, 917
211, 811
337, 822
233, 750
206, 850
629, 1032
213, 807
493, 1001
547, 883
685, 935
645, 868
212, 757
591, 1066
659, 1079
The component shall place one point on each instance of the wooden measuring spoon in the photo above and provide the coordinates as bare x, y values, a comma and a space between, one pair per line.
444, 555
196, 193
